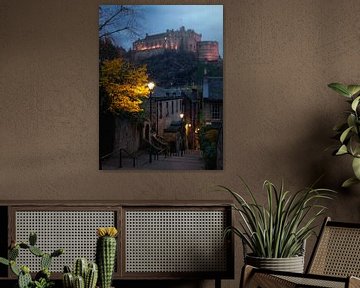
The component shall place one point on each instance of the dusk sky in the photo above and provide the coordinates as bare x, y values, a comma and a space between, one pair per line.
152, 19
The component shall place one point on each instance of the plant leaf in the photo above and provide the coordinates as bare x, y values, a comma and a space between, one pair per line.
342, 150
353, 89
349, 182
351, 120
356, 167
355, 103
340, 88
345, 134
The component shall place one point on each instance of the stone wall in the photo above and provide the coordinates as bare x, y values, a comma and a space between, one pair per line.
128, 135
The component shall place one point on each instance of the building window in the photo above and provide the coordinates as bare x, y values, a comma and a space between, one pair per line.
177, 106
160, 110
215, 111
172, 107
167, 109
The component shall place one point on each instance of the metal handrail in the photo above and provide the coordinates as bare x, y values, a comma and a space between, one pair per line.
131, 155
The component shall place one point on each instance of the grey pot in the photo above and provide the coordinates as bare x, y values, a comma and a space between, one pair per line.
291, 264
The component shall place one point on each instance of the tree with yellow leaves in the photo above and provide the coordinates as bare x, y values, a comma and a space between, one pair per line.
124, 84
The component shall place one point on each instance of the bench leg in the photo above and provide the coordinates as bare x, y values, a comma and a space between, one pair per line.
217, 283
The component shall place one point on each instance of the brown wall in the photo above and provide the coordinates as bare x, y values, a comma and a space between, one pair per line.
279, 57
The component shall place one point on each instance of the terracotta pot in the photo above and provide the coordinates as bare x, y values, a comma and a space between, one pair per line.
291, 264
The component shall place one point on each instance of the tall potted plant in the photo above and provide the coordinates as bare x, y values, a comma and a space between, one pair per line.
276, 233
348, 132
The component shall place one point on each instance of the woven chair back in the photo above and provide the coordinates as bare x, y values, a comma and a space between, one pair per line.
337, 252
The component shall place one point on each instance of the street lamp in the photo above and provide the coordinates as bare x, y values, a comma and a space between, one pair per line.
182, 133
151, 86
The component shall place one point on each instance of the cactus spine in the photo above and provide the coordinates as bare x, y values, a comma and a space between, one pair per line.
80, 267
84, 276
79, 282
106, 254
68, 280
91, 276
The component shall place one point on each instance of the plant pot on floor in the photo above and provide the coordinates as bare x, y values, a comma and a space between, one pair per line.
290, 264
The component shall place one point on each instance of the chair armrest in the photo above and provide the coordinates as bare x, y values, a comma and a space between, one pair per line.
354, 282
254, 277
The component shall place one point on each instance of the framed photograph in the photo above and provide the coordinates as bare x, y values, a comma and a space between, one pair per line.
161, 87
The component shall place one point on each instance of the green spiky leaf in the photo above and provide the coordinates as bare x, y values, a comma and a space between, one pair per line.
279, 228
340, 88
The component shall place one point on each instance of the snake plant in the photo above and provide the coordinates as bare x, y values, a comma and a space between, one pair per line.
279, 228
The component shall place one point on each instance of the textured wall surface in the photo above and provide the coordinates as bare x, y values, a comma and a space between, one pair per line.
279, 57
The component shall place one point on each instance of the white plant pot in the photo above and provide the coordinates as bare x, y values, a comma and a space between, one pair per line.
291, 264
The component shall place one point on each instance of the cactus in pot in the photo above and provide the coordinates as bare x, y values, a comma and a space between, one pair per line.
85, 275
106, 254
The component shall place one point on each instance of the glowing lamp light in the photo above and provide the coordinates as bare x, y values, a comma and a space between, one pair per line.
181, 115
151, 85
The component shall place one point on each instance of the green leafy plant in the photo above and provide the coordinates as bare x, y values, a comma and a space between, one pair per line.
42, 278
208, 145
348, 132
279, 229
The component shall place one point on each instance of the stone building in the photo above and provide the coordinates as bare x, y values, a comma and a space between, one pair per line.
176, 40
213, 100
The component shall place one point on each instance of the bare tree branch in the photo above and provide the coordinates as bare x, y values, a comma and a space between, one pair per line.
115, 19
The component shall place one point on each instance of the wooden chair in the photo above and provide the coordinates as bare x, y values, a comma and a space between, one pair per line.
335, 262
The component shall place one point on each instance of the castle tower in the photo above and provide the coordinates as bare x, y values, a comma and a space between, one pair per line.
208, 50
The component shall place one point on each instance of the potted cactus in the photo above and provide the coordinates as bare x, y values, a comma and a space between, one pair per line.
42, 278
106, 254
85, 275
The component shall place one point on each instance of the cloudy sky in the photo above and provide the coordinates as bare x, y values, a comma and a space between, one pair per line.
153, 19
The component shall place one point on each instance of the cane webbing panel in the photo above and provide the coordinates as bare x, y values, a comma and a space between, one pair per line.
175, 241
338, 252
74, 231
313, 282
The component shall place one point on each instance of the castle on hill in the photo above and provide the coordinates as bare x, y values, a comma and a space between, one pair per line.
176, 40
